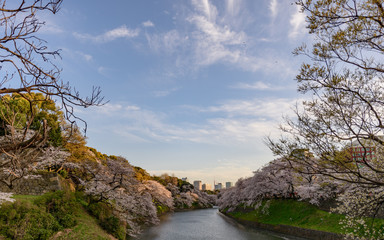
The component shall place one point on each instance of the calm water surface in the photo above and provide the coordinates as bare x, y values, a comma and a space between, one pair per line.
205, 224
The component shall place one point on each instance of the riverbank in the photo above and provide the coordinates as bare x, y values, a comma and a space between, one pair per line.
291, 217
289, 230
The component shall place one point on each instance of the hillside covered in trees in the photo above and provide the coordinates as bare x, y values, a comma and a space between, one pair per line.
122, 197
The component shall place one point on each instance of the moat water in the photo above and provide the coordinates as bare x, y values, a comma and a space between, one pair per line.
205, 224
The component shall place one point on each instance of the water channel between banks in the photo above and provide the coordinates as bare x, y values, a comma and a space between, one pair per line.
205, 224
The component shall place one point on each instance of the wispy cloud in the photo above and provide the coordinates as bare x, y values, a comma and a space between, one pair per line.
234, 122
252, 86
210, 36
148, 24
120, 32
51, 28
77, 55
258, 85
167, 42
268, 109
85, 56
231, 7
164, 93
273, 7
297, 23
214, 41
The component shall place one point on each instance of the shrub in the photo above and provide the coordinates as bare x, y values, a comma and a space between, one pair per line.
61, 205
23, 220
55, 136
112, 224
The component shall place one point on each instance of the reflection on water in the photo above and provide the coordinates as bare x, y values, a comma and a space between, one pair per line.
202, 225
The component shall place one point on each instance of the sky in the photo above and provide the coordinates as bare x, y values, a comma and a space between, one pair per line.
193, 86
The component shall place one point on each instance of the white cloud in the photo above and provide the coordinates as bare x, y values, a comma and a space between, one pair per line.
101, 70
167, 42
234, 122
51, 28
213, 37
209, 11
164, 93
271, 109
297, 23
230, 6
110, 109
253, 86
221, 38
86, 57
234, 7
273, 7
148, 24
120, 32
213, 40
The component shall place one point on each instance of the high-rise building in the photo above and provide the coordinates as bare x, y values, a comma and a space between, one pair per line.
228, 185
218, 186
197, 184
206, 186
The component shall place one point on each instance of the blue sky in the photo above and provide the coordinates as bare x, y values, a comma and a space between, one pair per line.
193, 86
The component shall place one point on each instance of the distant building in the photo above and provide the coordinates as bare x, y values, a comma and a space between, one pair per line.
364, 150
363, 153
218, 186
228, 185
197, 185
206, 186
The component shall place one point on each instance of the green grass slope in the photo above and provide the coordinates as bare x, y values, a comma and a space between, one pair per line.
293, 213
56, 215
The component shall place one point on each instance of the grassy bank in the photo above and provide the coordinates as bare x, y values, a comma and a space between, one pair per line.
293, 213
56, 215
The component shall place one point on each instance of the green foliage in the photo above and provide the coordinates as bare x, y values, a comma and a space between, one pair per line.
161, 209
23, 220
29, 111
165, 179
104, 214
114, 226
63, 173
141, 174
98, 154
210, 192
55, 136
294, 213
61, 205
87, 227
13, 110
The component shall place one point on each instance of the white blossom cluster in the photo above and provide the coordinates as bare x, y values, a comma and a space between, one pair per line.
186, 196
114, 183
277, 180
50, 157
6, 197
357, 204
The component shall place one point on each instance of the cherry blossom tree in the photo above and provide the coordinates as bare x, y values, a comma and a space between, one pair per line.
275, 180
30, 82
160, 195
278, 179
343, 82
